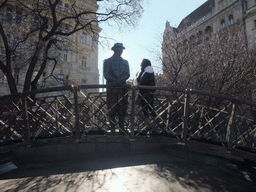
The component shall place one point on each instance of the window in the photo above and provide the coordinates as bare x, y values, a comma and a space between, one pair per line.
233, 39
59, 6
223, 24
44, 80
36, 23
84, 62
199, 37
17, 46
65, 55
59, 30
255, 23
8, 16
1, 49
84, 17
83, 83
67, 77
60, 80
231, 19
18, 17
8, 39
84, 38
16, 75
33, 47
59, 53
66, 8
66, 31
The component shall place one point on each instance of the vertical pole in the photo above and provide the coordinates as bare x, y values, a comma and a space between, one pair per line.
200, 122
25, 119
185, 118
77, 130
132, 112
231, 126
168, 114
57, 115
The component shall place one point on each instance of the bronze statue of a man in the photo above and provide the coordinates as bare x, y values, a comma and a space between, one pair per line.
116, 71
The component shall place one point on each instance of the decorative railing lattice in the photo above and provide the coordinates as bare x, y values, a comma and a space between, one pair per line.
181, 113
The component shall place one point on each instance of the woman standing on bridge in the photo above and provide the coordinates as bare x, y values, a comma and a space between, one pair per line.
146, 96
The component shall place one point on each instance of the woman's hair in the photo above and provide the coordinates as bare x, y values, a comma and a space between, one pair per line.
145, 63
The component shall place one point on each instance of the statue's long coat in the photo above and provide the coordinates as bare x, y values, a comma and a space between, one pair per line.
116, 71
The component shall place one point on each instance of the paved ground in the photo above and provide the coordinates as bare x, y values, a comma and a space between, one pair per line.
169, 169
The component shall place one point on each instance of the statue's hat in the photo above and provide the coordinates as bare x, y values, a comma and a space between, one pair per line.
118, 45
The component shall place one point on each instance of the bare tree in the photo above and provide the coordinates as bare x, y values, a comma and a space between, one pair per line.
40, 33
217, 62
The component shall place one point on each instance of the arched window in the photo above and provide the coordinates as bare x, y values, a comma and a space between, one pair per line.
84, 38
65, 55
231, 19
199, 37
223, 24
208, 32
84, 62
192, 38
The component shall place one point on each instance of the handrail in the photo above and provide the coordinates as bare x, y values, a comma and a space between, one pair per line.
187, 114
96, 86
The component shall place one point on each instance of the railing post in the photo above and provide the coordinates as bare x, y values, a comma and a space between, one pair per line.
77, 129
185, 118
231, 126
132, 112
25, 118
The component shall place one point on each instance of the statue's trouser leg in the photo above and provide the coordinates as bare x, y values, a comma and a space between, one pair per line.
121, 124
112, 123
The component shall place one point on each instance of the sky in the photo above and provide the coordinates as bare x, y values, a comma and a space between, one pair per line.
147, 36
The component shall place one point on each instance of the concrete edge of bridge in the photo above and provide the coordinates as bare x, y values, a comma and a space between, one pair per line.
101, 146
94, 147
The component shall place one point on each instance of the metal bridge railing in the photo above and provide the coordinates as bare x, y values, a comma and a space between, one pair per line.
77, 111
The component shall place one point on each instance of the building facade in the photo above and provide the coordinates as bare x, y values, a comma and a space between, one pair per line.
250, 21
74, 57
212, 49
215, 15
212, 16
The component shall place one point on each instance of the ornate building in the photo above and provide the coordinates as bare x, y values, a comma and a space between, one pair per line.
212, 49
212, 16
75, 56
250, 21
215, 15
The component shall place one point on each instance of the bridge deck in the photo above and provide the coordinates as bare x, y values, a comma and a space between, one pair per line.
147, 164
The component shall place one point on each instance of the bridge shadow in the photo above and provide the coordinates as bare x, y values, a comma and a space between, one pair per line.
167, 169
